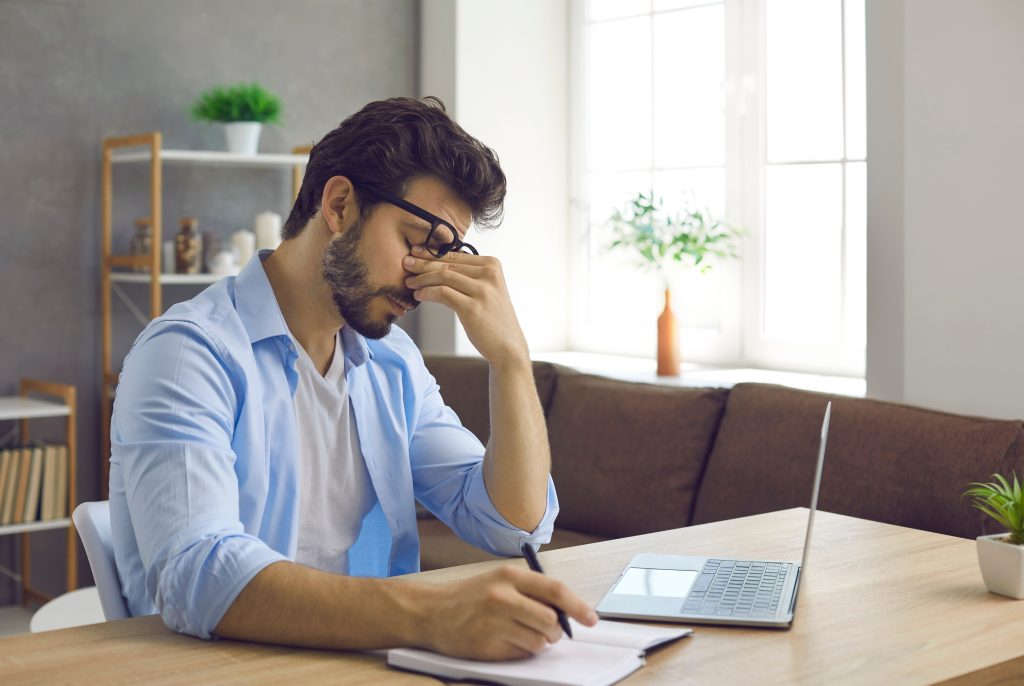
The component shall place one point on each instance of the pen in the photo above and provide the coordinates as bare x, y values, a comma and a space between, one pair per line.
531, 559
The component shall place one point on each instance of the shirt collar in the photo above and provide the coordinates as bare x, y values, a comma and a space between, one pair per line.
256, 303
357, 352
261, 315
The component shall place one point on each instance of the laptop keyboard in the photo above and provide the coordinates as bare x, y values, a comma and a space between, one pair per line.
737, 588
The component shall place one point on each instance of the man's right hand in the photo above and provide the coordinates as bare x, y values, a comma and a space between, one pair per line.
503, 614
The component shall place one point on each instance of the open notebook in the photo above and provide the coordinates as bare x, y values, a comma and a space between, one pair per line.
599, 655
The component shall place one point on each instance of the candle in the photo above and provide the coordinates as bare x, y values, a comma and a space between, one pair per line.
244, 243
268, 230
168, 257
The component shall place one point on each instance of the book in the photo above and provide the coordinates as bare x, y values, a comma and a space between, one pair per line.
24, 472
62, 482
11, 487
597, 656
46, 498
5, 468
35, 484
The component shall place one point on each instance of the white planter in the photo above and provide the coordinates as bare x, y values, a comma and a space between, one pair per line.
1002, 566
243, 137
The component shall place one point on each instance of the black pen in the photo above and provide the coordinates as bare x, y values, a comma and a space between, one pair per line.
531, 559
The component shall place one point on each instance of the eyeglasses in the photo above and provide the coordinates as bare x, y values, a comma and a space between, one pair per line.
442, 237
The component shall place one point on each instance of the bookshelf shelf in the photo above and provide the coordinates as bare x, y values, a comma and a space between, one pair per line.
213, 158
165, 279
61, 402
35, 526
17, 407
147, 149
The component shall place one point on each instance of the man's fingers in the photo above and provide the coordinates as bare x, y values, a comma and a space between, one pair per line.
538, 617
525, 638
553, 592
420, 265
444, 295
460, 282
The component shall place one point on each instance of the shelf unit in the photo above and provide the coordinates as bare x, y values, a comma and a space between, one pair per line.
142, 149
24, 407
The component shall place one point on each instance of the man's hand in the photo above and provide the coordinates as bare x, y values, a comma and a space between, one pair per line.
473, 286
503, 614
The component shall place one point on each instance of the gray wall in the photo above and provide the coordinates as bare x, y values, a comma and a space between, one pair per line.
75, 71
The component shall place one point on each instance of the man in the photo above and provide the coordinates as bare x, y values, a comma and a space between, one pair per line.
271, 435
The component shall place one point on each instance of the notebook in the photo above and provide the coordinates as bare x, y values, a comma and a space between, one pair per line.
597, 656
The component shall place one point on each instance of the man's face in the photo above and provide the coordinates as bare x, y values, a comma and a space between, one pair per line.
363, 266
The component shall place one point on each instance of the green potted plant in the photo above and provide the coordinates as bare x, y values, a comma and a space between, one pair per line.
660, 240
1001, 556
242, 109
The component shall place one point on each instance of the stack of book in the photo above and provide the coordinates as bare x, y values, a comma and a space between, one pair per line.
33, 483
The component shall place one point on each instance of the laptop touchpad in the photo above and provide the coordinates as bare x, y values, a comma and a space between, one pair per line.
665, 583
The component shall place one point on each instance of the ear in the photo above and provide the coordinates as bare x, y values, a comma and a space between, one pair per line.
338, 204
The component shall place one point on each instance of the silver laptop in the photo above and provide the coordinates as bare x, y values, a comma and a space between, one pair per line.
706, 590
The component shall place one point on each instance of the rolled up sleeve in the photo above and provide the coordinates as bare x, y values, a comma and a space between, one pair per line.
448, 475
171, 436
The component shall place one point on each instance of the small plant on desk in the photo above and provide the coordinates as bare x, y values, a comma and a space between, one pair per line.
1001, 556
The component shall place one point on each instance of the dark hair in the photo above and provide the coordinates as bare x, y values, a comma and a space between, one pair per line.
388, 143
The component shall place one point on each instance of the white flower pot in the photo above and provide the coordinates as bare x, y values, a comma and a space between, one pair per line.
243, 137
1002, 565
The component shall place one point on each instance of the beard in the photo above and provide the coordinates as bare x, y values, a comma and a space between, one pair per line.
348, 277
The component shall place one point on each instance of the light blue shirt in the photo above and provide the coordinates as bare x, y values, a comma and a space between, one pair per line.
203, 466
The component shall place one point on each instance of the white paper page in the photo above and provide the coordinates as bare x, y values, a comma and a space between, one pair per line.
565, 663
636, 636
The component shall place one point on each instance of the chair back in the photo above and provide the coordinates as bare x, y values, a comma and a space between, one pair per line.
92, 520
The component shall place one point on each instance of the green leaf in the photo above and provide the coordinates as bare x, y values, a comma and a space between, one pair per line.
1001, 501
659, 238
241, 102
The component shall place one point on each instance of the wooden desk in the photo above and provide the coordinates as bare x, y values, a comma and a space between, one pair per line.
880, 605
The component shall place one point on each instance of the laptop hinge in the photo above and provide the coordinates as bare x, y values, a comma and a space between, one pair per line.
796, 591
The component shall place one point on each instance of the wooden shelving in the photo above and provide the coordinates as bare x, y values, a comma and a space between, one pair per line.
147, 148
25, 407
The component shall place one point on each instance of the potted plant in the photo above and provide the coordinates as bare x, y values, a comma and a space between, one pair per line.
1001, 556
242, 109
660, 240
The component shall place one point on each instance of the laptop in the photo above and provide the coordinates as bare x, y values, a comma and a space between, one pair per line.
714, 590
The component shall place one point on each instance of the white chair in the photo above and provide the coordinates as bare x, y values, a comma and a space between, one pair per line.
74, 608
93, 523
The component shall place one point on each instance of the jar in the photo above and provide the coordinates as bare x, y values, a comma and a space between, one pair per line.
188, 247
142, 241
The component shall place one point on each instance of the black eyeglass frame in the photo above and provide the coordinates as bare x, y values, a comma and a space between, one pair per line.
456, 244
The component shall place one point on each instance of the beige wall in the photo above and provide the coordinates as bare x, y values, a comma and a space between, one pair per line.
946, 233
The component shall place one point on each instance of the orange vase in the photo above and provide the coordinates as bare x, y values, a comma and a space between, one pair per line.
668, 339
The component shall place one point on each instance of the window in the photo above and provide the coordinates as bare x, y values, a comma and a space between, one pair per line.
755, 110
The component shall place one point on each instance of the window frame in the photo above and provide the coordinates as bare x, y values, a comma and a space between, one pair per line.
740, 340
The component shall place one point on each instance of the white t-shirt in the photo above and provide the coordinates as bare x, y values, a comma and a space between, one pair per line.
334, 486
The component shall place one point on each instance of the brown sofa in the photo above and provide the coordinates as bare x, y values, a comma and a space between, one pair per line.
632, 458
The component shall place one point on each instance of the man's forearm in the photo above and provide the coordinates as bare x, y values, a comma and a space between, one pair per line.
291, 604
518, 456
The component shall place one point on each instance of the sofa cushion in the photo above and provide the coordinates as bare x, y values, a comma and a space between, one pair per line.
464, 387
886, 462
627, 457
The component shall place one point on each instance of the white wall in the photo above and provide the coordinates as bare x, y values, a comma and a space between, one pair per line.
510, 73
945, 97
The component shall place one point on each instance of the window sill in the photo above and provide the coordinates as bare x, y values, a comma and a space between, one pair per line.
642, 370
